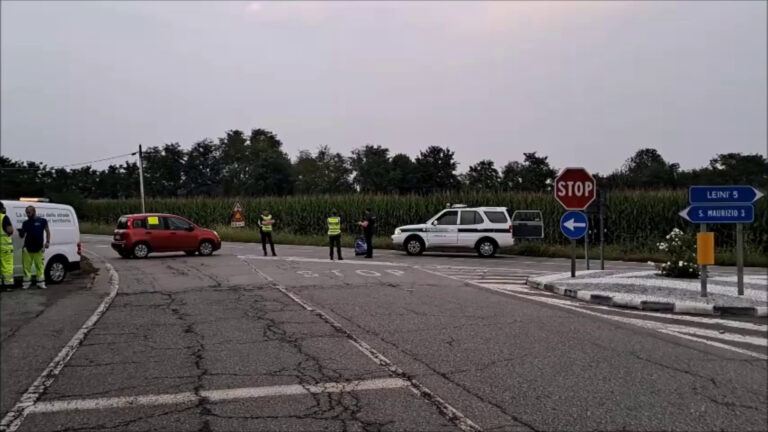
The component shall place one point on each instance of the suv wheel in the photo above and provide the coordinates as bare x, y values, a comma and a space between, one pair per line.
486, 248
141, 250
56, 270
414, 246
205, 248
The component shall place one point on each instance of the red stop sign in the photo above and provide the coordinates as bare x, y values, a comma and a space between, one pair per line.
575, 188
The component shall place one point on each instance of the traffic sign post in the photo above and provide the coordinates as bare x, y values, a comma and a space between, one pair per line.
723, 204
575, 189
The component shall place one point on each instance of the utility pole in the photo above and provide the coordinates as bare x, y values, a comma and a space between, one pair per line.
141, 181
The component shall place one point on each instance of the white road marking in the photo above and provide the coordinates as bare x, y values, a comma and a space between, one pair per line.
396, 272
714, 321
318, 260
13, 419
670, 329
446, 410
217, 395
369, 273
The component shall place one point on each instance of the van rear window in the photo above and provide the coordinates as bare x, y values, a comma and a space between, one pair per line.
122, 223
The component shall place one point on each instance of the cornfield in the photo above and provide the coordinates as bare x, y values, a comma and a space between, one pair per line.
635, 220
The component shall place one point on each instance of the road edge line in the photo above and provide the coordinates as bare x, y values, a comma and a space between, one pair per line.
13, 419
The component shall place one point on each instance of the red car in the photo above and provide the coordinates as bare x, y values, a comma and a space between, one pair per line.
141, 234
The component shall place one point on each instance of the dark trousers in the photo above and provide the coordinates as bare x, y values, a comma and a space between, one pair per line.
369, 243
335, 240
267, 235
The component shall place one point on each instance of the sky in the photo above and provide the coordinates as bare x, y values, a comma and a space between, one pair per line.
585, 83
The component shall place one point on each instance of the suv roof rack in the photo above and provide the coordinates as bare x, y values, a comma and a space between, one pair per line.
457, 205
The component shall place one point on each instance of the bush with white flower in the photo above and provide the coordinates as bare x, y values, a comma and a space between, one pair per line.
681, 255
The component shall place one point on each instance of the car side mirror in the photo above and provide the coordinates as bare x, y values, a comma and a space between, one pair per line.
190, 228
434, 223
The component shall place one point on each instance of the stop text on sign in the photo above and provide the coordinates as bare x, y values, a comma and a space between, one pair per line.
575, 188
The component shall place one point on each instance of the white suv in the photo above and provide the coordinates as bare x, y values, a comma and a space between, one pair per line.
484, 229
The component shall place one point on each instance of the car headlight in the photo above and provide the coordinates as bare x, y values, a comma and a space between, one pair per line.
398, 232
217, 235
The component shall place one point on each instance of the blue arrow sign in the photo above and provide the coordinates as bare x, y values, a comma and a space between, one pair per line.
574, 224
723, 194
733, 213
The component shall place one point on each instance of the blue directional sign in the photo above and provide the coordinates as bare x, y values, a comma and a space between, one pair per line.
723, 194
574, 224
713, 213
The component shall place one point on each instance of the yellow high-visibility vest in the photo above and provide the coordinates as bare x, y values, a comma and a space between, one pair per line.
334, 226
5, 239
266, 228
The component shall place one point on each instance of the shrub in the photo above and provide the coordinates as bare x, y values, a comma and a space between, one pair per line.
680, 249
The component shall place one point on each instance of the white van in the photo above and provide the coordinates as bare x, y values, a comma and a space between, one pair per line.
63, 255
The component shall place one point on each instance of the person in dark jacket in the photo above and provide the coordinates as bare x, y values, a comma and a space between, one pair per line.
369, 229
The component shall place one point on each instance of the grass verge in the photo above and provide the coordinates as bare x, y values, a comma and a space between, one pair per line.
527, 248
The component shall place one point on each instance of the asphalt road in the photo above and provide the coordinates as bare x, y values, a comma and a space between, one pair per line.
442, 342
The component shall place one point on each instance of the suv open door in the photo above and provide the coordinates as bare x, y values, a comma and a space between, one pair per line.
527, 224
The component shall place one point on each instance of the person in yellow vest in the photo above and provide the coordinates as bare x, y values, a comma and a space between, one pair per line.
37, 238
265, 227
334, 233
6, 249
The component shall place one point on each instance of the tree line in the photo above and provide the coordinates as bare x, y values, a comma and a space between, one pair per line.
255, 165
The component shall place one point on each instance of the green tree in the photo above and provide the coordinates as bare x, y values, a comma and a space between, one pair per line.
483, 176
538, 175
512, 176
325, 172
737, 168
402, 175
436, 167
648, 169
371, 165
162, 170
203, 170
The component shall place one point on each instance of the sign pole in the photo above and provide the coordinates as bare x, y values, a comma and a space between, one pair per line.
573, 258
141, 180
586, 248
703, 268
740, 258
602, 229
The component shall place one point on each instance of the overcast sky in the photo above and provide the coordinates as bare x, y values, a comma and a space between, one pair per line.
586, 84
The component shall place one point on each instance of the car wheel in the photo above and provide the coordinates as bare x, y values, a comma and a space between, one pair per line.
486, 248
414, 246
56, 270
141, 250
205, 248
190, 253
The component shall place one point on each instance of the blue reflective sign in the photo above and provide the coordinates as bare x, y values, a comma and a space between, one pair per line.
723, 194
574, 224
733, 213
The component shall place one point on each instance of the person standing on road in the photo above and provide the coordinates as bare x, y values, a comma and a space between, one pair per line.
37, 238
369, 228
334, 233
265, 227
6, 249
